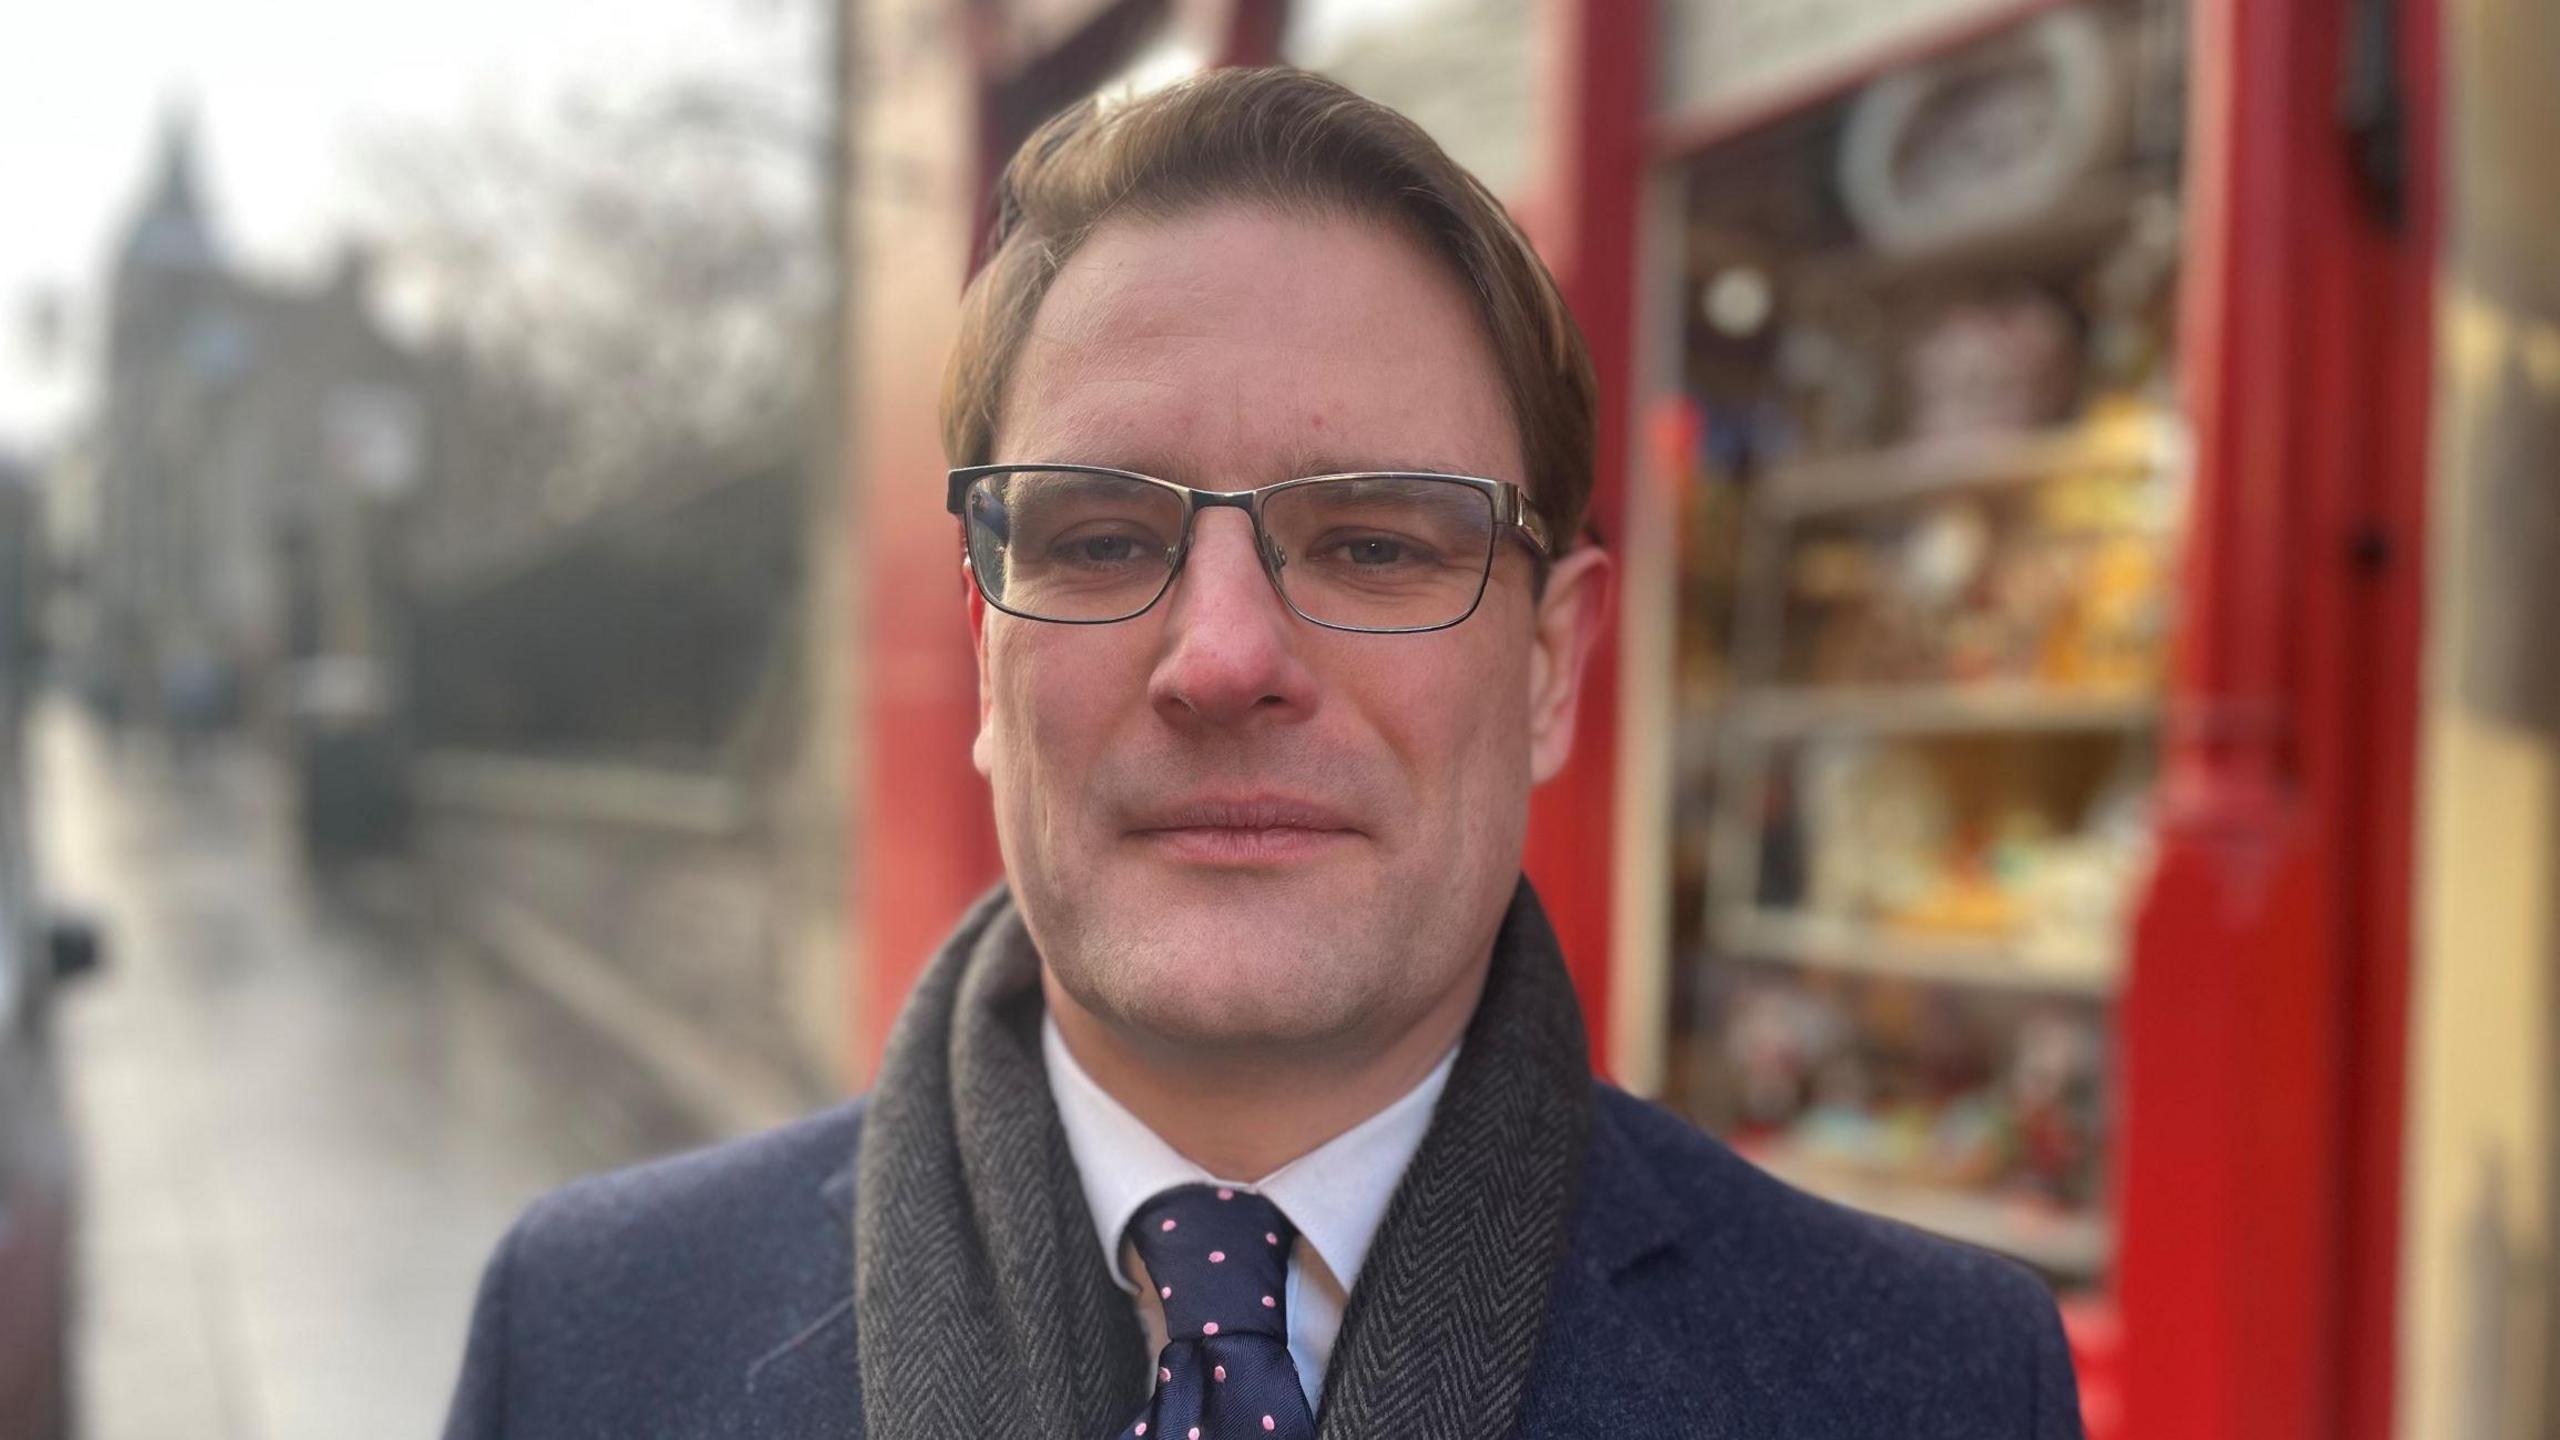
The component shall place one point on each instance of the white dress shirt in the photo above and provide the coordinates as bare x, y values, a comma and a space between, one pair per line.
1335, 1194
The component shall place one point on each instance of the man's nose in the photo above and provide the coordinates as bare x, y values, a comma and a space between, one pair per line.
1231, 644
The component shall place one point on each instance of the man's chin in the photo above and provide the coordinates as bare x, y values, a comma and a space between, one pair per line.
1235, 979
1284, 957
1236, 1026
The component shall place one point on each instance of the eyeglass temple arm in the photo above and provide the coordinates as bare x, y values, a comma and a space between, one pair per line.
1525, 516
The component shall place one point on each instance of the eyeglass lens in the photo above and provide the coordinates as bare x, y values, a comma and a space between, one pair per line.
1362, 552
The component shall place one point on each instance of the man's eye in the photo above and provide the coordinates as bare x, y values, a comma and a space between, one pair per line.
1104, 549
1377, 552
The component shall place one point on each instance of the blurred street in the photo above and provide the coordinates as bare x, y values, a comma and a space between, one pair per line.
306, 1116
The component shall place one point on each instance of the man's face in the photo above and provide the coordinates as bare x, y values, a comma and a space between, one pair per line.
1227, 826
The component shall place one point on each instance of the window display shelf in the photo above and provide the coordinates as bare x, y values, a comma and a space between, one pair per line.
2056, 1242
1922, 469
1926, 709
2084, 969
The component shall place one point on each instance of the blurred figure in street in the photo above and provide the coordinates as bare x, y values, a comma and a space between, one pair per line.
194, 691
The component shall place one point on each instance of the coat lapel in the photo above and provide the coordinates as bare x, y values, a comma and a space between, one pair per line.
806, 1383
1605, 1365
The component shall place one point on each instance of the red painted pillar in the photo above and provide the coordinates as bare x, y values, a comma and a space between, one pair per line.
1597, 90
2262, 1023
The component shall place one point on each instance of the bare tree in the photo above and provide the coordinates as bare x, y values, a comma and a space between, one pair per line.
632, 283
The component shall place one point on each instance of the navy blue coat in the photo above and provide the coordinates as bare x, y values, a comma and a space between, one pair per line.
712, 1295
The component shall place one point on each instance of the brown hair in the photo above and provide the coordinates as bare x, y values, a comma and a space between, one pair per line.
1298, 142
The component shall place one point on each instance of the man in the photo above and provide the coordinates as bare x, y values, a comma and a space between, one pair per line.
1256, 1104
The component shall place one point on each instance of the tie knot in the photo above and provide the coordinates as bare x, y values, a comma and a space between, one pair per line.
1219, 1259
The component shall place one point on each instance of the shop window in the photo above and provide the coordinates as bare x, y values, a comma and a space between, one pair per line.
1932, 478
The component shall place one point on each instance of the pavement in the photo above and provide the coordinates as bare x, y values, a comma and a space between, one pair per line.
306, 1113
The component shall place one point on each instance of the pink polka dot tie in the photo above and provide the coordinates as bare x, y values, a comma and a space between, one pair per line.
1219, 1260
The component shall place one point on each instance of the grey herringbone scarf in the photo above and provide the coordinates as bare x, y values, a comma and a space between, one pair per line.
984, 1307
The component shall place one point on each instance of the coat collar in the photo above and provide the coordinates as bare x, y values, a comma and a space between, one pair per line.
1627, 1213
1630, 1235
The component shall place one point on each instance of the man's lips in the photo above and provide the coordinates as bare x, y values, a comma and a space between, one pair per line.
1256, 812
1255, 830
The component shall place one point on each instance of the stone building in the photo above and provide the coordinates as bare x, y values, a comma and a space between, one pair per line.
251, 439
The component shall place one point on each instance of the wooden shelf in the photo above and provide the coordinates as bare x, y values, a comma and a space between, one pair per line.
1811, 942
1921, 469
1924, 709
2058, 1243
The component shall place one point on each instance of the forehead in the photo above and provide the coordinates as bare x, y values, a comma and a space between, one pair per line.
1239, 344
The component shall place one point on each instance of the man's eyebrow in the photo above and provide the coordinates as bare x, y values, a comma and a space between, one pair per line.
1308, 460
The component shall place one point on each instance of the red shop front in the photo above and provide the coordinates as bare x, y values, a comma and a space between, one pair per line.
1995, 801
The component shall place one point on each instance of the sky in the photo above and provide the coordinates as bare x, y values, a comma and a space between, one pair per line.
287, 94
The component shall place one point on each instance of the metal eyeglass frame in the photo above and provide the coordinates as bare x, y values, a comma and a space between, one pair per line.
1513, 516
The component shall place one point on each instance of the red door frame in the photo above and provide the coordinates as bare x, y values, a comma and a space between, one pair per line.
2265, 1023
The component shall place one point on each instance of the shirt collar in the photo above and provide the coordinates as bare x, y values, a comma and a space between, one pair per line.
1336, 1194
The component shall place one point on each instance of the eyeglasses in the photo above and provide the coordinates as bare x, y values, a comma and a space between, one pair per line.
1384, 552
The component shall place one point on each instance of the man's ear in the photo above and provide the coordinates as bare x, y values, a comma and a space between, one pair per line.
1566, 631
981, 750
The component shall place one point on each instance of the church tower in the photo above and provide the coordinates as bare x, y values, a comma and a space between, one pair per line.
175, 337
170, 257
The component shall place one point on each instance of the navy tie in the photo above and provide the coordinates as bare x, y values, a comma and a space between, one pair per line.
1219, 1260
